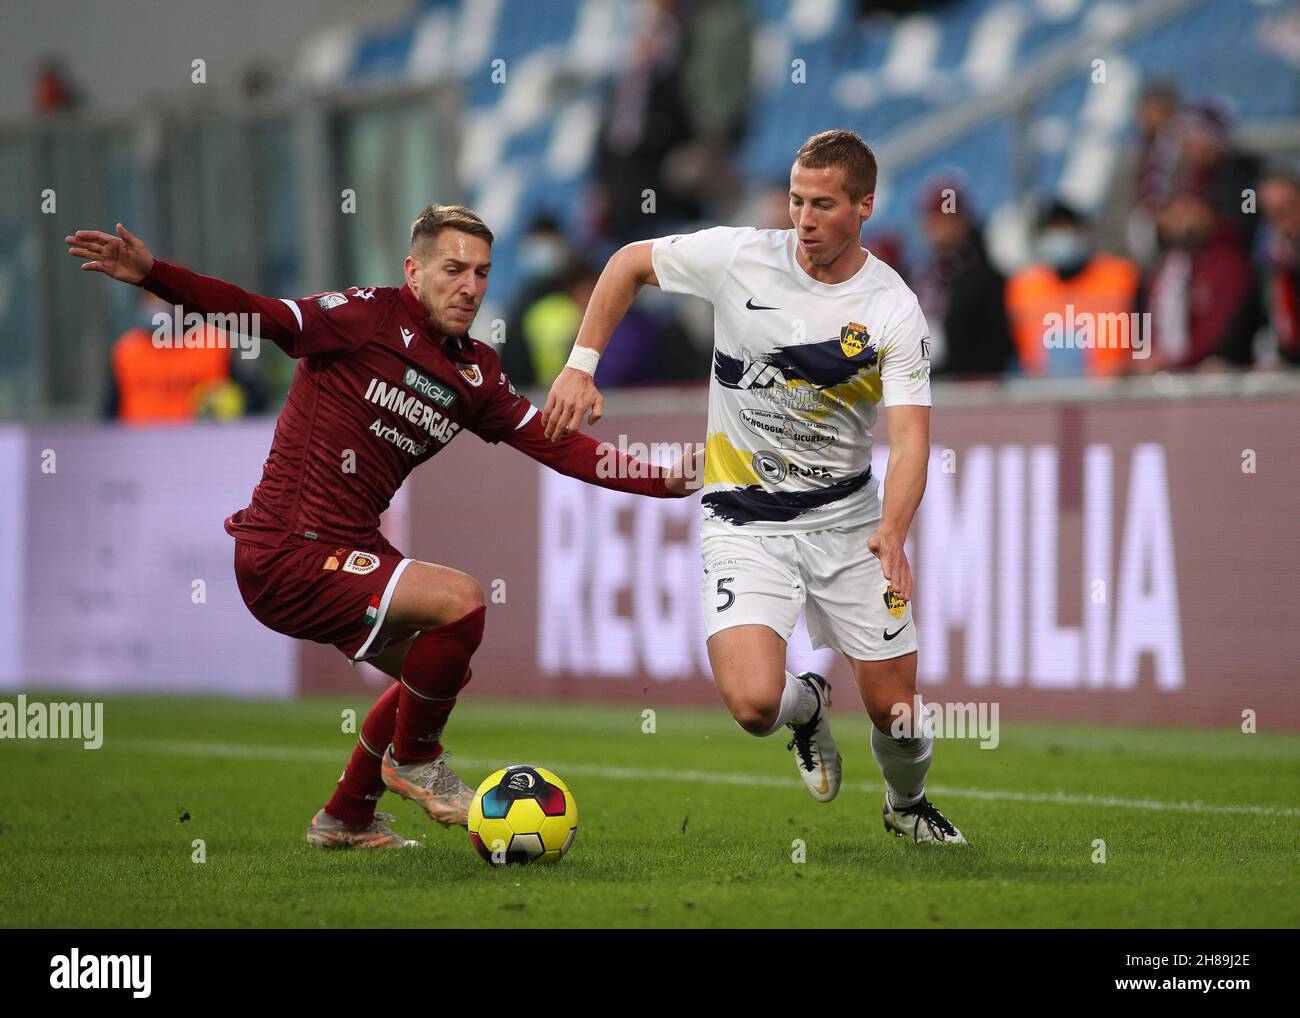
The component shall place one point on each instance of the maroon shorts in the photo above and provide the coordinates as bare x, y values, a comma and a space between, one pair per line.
317, 590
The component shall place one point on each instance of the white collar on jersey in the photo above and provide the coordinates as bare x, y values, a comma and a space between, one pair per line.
815, 285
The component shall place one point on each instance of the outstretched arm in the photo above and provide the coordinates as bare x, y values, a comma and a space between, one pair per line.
600, 463
573, 393
125, 257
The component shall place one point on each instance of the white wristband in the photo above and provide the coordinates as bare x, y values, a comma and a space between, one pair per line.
584, 359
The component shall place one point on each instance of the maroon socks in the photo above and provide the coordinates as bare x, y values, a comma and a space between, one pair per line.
361, 785
434, 671
410, 714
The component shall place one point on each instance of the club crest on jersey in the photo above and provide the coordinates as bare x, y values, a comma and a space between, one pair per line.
853, 339
895, 605
331, 300
361, 562
471, 374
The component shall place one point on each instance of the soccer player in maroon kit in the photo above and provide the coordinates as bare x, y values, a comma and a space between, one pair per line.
386, 377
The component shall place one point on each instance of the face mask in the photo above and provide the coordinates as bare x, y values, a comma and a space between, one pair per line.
541, 256
1062, 249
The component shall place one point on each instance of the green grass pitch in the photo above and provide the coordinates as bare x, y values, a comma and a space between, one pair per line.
694, 825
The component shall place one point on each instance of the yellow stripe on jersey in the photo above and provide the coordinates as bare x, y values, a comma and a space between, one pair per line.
865, 386
725, 464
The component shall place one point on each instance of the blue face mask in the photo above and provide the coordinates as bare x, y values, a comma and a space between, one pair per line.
541, 256
1062, 248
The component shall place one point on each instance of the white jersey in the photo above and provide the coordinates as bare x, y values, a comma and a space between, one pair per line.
799, 368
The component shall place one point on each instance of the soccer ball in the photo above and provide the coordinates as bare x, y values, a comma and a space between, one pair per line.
522, 814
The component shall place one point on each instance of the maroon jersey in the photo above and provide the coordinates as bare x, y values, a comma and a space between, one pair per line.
376, 392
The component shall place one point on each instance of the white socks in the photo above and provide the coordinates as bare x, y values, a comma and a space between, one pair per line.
904, 763
798, 703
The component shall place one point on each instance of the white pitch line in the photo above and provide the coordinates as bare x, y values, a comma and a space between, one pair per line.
239, 751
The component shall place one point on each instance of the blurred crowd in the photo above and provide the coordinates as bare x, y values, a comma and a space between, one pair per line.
1194, 256
1193, 263
677, 112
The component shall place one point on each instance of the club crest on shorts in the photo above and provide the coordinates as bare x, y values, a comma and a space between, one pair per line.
471, 374
853, 339
361, 562
895, 605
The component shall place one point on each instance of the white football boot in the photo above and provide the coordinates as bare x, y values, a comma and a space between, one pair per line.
922, 822
815, 752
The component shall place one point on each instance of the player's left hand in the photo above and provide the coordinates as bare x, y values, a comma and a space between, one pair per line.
888, 547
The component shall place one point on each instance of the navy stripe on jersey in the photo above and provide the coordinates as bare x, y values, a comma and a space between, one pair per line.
754, 504
821, 364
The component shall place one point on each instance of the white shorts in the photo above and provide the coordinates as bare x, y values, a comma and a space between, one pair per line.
828, 574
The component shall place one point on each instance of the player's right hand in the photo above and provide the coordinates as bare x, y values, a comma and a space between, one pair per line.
573, 394
888, 546
123, 257
687, 475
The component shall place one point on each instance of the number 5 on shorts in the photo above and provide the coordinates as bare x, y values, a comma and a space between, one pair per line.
725, 593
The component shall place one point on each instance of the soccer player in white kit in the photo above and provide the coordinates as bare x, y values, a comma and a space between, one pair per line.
811, 334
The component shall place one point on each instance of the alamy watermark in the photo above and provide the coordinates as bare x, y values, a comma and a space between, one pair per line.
947, 721
1093, 330
193, 331
77, 971
61, 720
645, 459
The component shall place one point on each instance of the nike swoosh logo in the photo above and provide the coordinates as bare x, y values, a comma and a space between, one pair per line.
758, 307
890, 636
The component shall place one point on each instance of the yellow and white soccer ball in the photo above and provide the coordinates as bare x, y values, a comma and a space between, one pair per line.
522, 814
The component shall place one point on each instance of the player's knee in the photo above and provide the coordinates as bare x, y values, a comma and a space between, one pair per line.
464, 596
453, 599
755, 717
882, 717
